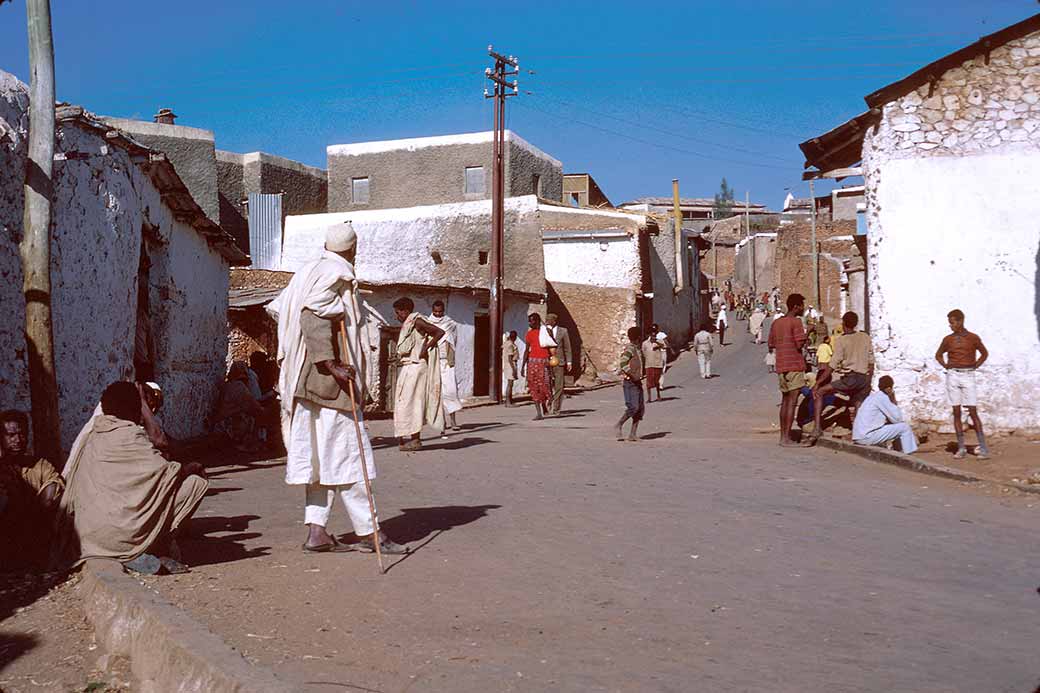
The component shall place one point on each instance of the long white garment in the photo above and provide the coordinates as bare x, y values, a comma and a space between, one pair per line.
450, 399
328, 288
320, 499
322, 447
417, 400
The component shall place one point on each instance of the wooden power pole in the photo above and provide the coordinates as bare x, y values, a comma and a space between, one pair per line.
36, 229
501, 90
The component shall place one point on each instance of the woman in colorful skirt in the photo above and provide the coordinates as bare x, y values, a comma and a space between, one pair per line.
536, 366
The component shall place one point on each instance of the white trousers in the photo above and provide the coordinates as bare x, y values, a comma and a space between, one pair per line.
880, 436
704, 361
319, 505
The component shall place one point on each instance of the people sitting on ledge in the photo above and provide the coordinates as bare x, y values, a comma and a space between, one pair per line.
124, 500
879, 419
30, 488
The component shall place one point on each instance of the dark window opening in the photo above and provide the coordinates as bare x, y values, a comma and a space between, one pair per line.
482, 257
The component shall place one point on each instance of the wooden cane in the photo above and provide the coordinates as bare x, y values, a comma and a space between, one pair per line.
361, 450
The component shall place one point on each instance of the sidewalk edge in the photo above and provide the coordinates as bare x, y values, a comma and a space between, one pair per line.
168, 650
878, 454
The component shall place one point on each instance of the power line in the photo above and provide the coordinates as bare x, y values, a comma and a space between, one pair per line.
649, 142
663, 131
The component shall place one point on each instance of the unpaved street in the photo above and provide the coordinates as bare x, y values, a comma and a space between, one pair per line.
550, 557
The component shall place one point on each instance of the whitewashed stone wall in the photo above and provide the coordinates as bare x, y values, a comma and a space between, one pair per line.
953, 212
101, 205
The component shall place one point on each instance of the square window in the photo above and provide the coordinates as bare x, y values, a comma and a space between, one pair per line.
475, 180
359, 190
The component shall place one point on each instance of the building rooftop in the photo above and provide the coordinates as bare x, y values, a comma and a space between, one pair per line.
688, 202
415, 143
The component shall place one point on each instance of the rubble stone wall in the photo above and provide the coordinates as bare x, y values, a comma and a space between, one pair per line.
793, 261
953, 197
600, 317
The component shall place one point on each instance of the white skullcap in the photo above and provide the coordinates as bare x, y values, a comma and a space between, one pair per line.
340, 237
154, 386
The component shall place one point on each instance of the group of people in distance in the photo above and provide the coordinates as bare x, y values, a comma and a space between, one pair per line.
846, 367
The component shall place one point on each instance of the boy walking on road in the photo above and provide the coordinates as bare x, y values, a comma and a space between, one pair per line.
786, 339
957, 354
631, 370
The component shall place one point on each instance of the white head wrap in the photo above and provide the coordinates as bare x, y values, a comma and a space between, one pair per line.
340, 237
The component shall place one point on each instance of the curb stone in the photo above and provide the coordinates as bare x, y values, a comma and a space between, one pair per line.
169, 652
878, 454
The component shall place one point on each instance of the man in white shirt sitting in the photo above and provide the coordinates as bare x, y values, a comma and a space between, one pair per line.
879, 420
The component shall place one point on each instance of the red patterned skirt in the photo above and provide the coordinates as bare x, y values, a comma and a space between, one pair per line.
538, 379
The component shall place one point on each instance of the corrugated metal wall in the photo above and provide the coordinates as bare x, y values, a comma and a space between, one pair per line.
265, 230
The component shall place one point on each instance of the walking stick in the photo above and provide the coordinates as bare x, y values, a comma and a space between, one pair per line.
361, 449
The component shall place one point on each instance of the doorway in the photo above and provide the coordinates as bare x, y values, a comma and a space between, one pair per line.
481, 355
387, 366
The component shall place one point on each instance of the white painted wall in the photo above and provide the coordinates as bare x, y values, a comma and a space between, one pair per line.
100, 206
958, 232
607, 262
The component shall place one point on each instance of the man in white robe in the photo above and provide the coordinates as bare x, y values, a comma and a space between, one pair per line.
318, 426
446, 351
417, 397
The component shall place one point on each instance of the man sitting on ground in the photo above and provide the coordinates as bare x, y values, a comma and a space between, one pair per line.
30, 489
879, 420
124, 500
852, 368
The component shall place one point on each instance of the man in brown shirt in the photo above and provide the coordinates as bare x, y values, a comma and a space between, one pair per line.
852, 364
960, 353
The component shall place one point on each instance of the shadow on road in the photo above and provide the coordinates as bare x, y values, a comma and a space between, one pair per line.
459, 444
244, 467
14, 645
199, 549
655, 436
426, 524
213, 491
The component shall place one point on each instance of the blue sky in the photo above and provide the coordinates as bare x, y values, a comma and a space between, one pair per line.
634, 93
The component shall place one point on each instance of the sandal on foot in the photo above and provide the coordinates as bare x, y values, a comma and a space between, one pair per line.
331, 547
145, 564
173, 566
385, 546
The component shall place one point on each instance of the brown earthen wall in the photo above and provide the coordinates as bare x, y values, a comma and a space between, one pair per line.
597, 318
793, 262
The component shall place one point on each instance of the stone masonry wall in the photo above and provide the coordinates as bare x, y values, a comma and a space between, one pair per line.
952, 178
793, 259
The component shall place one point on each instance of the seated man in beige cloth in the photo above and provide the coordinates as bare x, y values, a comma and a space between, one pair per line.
29, 492
124, 500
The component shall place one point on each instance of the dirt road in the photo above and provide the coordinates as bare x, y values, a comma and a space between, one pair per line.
550, 557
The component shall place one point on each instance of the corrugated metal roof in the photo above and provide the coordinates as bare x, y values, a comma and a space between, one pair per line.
247, 298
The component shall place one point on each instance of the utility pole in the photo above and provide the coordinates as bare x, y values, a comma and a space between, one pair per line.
815, 249
751, 243
680, 269
36, 233
501, 90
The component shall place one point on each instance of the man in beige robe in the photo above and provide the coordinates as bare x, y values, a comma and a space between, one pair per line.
324, 452
417, 400
124, 500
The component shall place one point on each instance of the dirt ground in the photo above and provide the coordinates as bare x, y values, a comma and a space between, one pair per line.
46, 643
1012, 458
550, 557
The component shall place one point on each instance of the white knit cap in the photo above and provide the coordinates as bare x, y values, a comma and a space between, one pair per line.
340, 237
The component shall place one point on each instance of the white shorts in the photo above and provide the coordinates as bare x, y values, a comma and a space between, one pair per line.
960, 387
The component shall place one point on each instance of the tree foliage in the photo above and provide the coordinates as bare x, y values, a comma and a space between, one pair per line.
724, 201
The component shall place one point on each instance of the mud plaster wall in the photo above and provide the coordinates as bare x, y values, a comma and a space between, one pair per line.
793, 260
953, 198
675, 313
602, 316
232, 192
253, 329
607, 262
100, 206
396, 246
726, 263
762, 255
190, 150
429, 175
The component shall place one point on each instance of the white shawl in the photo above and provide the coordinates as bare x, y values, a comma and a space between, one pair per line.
451, 333
545, 339
328, 288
